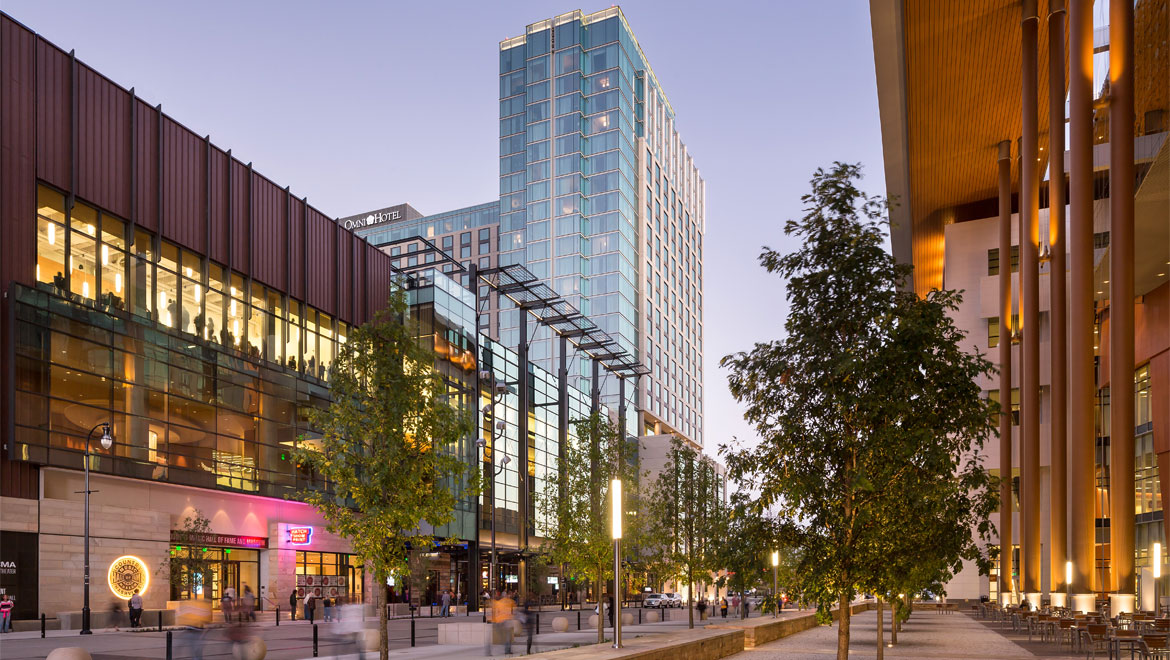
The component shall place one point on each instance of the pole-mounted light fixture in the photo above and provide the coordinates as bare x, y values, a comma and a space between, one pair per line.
1157, 560
616, 490
1068, 565
616, 493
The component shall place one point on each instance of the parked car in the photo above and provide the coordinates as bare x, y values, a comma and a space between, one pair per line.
673, 600
654, 600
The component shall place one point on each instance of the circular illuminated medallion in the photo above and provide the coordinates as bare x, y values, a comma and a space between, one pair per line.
127, 574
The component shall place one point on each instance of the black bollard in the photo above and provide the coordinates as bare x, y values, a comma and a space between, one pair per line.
537, 615
42, 625
312, 615
278, 615
314, 638
412, 633
639, 616
170, 642
578, 619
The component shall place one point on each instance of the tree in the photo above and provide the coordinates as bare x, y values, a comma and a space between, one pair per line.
190, 561
386, 458
867, 404
685, 510
577, 506
746, 539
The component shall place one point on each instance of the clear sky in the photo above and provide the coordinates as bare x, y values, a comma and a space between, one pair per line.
360, 105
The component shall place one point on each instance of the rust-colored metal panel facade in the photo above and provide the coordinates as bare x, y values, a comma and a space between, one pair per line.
103, 142
269, 250
296, 236
218, 250
53, 82
67, 126
184, 189
146, 165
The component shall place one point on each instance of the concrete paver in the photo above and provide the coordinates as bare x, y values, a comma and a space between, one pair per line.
924, 635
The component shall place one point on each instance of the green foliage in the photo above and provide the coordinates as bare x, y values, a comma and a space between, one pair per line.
744, 541
188, 557
686, 514
578, 504
870, 418
387, 454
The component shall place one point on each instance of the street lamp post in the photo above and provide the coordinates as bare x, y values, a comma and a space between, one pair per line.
775, 564
107, 441
616, 492
499, 389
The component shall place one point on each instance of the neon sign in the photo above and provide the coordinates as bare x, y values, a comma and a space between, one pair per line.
300, 535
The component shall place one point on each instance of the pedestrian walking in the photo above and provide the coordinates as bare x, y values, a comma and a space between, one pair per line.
116, 613
723, 607
310, 605
328, 605
502, 614
446, 609
6, 614
136, 610
292, 602
353, 630
528, 617
225, 606
248, 603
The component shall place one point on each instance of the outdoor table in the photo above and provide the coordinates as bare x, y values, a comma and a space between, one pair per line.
1116, 642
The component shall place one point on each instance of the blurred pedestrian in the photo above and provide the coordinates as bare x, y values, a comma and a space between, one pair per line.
446, 609
116, 613
528, 617
502, 614
248, 603
225, 606
310, 605
723, 607
136, 610
328, 605
292, 603
353, 631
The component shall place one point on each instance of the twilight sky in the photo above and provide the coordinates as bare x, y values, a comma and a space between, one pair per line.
360, 105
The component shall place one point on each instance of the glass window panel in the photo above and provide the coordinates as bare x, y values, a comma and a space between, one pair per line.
51, 204
326, 347
113, 277
141, 279
50, 266
113, 231
169, 310
234, 325
192, 307
84, 218
215, 276
292, 347
83, 265
170, 256
210, 323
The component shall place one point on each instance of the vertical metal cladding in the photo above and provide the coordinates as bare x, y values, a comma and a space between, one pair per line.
18, 138
52, 118
146, 121
268, 250
103, 146
218, 216
184, 184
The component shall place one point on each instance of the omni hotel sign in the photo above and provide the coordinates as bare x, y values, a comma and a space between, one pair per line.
388, 214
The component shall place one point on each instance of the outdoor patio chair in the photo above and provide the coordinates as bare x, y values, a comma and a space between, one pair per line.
1066, 629
1154, 646
1095, 637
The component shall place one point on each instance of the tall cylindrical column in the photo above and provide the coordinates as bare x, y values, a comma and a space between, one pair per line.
1057, 317
1121, 290
1082, 388
1006, 328
1029, 310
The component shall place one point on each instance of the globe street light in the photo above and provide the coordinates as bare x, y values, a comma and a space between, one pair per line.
616, 492
107, 441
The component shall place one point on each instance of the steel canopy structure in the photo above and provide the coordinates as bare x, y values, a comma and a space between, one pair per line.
529, 293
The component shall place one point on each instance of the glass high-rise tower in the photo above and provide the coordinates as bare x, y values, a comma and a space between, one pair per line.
599, 196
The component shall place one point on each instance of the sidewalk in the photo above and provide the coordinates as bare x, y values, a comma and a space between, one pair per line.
925, 635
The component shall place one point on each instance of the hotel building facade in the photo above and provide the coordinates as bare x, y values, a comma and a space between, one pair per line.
1026, 145
600, 199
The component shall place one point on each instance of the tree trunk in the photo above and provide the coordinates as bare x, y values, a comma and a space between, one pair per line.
894, 623
380, 603
843, 628
881, 624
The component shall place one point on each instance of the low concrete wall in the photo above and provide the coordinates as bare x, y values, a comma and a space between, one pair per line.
105, 619
766, 629
696, 644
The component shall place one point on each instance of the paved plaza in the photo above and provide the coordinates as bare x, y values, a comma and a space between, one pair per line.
924, 635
